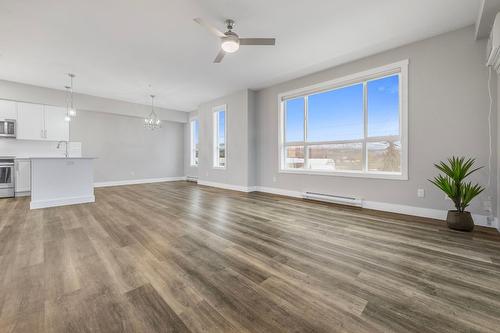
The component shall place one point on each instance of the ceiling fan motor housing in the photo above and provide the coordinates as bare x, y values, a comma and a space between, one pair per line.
230, 43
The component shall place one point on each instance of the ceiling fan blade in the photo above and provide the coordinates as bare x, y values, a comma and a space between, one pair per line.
210, 27
257, 41
219, 57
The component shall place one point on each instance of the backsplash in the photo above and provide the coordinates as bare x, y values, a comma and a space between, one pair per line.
27, 148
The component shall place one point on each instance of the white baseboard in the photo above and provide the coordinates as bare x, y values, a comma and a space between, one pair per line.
61, 202
228, 186
480, 220
138, 181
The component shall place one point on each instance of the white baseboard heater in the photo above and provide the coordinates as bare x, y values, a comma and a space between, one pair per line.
192, 179
351, 201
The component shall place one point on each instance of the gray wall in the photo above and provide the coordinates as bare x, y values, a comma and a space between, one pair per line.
237, 169
34, 94
448, 110
125, 150
497, 148
252, 139
115, 134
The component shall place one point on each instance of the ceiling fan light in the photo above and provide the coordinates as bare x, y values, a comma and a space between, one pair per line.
230, 45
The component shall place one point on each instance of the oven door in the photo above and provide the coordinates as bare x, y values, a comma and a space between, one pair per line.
6, 175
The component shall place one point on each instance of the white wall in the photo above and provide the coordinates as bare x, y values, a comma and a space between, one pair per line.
448, 110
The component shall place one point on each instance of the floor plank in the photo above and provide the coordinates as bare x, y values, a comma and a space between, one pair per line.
178, 257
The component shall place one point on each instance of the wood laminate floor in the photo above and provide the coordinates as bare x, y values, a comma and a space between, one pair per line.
177, 257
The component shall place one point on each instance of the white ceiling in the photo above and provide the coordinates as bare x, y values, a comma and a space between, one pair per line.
118, 47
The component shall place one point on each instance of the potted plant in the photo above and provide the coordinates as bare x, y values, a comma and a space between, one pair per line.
453, 184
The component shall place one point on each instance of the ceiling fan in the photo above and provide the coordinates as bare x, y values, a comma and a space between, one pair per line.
230, 41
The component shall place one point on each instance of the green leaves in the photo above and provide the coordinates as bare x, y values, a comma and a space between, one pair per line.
456, 170
468, 193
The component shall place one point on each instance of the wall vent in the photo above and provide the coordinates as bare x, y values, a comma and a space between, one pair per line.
351, 201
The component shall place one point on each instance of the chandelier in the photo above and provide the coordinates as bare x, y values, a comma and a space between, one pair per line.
152, 122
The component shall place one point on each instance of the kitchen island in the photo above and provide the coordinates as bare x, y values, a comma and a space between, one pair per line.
60, 181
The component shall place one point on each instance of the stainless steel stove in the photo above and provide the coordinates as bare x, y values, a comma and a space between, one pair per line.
7, 181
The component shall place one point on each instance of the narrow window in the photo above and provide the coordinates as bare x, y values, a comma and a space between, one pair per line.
195, 125
220, 149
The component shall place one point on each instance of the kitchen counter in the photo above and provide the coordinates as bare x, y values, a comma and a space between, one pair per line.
60, 158
60, 181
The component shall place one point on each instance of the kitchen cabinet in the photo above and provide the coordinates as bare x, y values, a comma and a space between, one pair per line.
30, 121
56, 128
23, 175
41, 122
8, 110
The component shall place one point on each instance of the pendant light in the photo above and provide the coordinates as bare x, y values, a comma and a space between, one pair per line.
152, 122
71, 111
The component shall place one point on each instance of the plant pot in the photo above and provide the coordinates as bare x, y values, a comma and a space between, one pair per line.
460, 220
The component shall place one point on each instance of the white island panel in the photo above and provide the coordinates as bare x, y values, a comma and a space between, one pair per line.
61, 181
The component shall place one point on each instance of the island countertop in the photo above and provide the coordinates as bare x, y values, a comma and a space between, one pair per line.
62, 158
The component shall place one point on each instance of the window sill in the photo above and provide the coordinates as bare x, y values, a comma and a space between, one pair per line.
351, 174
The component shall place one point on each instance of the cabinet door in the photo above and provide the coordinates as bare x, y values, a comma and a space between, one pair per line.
30, 124
23, 175
56, 128
8, 110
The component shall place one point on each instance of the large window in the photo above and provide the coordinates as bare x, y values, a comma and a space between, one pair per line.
355, 126
195, 128
220, 137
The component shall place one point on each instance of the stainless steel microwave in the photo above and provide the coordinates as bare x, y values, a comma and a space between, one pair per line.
7, 128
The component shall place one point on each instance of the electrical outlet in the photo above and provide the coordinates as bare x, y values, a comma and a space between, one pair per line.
420, 193
132, 173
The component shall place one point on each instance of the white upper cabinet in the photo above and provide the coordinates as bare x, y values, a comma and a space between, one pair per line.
30, 121
41, 122
56, 129
8, 110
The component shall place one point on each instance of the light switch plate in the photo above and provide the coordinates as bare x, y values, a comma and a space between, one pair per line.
420, 193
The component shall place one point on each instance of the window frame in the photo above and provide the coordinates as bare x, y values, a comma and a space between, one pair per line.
215, 137
192, 147
400, 68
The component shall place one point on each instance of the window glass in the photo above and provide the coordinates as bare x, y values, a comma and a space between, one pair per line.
336, 157
383, 106
294, 128
294, 157
384, 156
195, 128
336, 115
220, 139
